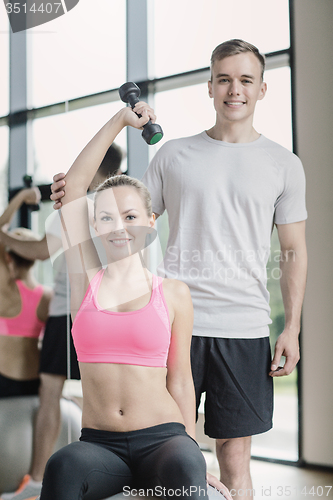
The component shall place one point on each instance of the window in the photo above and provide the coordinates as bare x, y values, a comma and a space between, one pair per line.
80, 53
273, 113
59, 139
188, 120
186, 32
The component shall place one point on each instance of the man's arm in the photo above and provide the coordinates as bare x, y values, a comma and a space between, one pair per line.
293, 279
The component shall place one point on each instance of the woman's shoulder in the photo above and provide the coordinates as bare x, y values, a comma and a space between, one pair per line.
178, 298
44, 303
176, 290
47, 293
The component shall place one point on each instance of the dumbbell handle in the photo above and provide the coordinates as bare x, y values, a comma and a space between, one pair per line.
132, 100
152, 132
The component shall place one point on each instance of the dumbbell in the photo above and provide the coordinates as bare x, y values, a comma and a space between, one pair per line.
129, 93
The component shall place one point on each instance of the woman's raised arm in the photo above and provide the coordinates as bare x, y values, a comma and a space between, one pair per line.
29, 196
81, 255
84, 168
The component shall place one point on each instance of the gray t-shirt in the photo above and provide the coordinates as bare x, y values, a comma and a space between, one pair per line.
222, 200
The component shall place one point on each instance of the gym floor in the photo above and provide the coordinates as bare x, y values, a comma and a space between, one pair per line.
275, 481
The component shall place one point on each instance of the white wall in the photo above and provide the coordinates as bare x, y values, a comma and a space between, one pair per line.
314, 121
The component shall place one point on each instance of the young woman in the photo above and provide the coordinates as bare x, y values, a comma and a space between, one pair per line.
23, 311
132, 332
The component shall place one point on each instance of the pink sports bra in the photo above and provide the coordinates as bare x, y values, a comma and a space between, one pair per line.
139, 337
26, 323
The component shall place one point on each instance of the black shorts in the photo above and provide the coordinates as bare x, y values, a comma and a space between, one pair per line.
53, 358
10, 387
239, 391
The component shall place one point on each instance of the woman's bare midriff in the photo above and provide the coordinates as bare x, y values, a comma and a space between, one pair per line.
19, 357
121, 398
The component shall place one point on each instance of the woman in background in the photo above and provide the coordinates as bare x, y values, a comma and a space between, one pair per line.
23, 310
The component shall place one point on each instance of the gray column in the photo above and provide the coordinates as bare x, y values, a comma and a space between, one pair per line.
18, 136
137, 71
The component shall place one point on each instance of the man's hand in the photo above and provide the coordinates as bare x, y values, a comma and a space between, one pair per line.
213, 481
286, 345
57, 189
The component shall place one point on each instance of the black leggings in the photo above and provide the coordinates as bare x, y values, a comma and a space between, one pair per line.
163, 459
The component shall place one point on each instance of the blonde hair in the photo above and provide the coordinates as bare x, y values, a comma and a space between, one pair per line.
125, 180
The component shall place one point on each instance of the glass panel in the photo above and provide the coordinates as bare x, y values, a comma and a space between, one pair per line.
198, 27
187, 120
59, 139
4, 58
79, 53
4, 148
273, 113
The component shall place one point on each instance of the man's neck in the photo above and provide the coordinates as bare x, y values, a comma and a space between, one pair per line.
233, 133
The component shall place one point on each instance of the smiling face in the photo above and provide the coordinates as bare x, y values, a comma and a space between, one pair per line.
121, 221
236, 86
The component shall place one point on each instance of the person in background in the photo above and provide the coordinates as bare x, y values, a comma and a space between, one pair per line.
24, 305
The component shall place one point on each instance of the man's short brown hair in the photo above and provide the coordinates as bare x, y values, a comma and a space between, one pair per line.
234, 47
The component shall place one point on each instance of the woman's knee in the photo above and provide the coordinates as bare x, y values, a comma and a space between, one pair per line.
62, 462
185, 460
192, 463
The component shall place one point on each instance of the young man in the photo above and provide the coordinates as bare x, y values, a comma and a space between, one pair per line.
54, 357
220, 228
